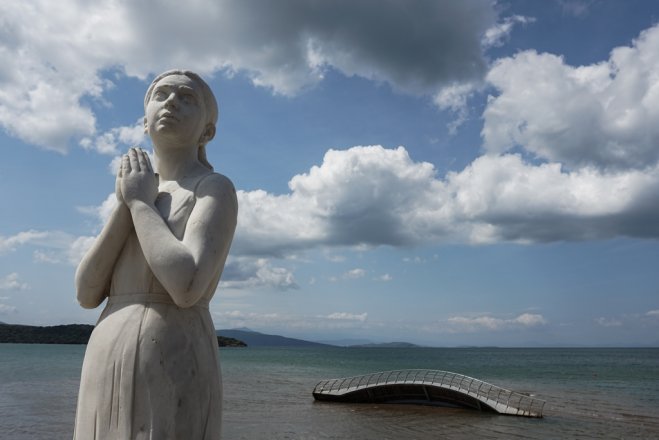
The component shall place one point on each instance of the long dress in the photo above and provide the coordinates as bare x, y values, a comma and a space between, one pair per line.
151, 369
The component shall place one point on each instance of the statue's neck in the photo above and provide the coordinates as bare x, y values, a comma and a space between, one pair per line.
178, 164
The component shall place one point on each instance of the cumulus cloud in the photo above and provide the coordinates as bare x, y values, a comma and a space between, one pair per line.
602, 115
248, 273
111, 141
504, 198
489, 323
52, 64
64, 56
51, 246
12, 282
357, 196
589, 168
376, 196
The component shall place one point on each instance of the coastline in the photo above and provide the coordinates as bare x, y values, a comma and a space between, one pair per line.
68, 334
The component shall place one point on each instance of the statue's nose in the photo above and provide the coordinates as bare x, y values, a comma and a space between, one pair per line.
171, 100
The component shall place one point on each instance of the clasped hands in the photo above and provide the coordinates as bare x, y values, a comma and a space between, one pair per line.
136, 180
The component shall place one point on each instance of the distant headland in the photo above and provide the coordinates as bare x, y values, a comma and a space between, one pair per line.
236, 337
68, 334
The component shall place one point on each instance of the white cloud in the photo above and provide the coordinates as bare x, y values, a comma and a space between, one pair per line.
653, 313
101, 212
12, 282
353, 274
460, 324
454, 98
52, 246
375, 196
386, 277
248, 273
8, 244
112, 140
52, 62
600, 115
79, 248
344, 316
497, 34
62, 54
529, 320
33, 237
360, 196
503, 198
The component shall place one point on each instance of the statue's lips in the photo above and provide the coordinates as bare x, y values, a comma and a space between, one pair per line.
167, 116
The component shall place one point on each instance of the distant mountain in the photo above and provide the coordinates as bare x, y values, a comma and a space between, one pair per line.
245, 329
386, 345
256, 339
67, 334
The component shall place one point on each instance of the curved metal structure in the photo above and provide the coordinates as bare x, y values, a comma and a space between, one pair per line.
433, 387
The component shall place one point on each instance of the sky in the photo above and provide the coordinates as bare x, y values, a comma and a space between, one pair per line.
442, 173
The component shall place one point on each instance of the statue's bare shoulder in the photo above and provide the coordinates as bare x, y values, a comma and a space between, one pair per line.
218, 187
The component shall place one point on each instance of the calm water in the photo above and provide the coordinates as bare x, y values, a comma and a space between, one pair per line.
590, 393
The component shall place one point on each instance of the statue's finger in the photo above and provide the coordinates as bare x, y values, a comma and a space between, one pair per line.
125, 164
134, 161
142, 160
147, 161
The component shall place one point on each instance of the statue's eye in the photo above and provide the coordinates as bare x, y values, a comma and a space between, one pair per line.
188, 98
159, 95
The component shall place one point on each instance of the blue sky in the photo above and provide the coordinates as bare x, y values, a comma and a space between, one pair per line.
447, 173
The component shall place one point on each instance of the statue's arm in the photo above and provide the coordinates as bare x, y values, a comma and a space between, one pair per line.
186, 267
94, 273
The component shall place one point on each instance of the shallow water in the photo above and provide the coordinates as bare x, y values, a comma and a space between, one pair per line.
590, 393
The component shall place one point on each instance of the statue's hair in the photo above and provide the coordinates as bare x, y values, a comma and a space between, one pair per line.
210, 104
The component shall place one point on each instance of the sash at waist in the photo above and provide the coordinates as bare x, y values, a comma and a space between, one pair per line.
160, 298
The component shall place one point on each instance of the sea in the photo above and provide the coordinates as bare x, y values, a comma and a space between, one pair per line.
590, 393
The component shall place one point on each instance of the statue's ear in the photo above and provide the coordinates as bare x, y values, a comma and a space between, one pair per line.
208, 134
145, 129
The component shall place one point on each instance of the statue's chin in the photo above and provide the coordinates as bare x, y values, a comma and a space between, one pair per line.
167, 134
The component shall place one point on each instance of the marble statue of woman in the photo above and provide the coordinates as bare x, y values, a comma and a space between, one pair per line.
151, 369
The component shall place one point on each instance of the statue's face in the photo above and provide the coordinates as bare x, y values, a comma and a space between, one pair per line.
176, 111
